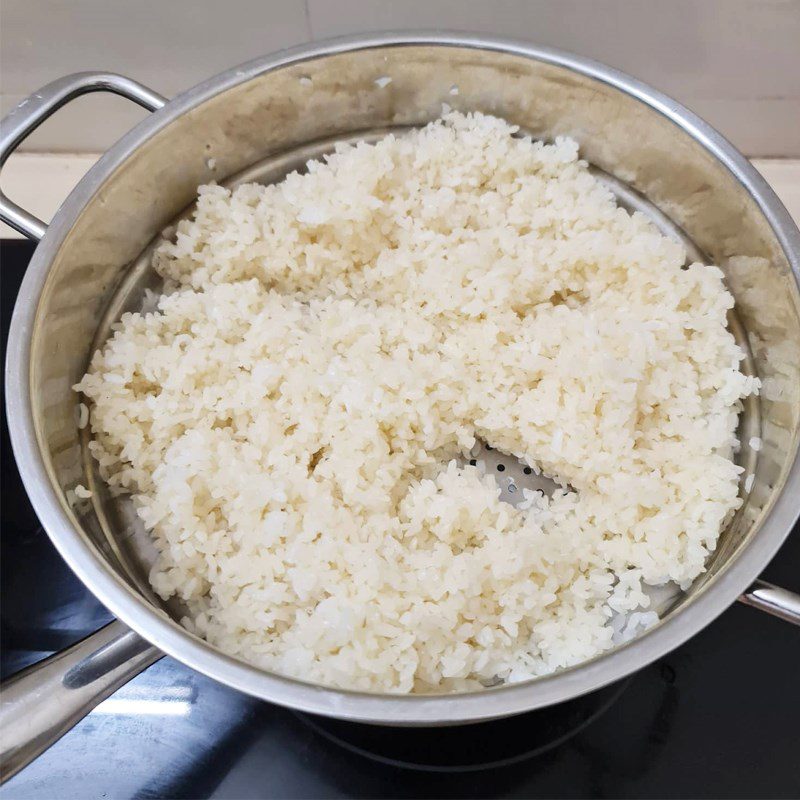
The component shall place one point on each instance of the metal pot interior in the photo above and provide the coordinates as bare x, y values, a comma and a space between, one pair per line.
261, 124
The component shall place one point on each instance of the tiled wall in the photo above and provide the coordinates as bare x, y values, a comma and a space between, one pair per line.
735, 62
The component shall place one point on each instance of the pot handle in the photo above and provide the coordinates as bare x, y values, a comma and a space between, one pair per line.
33, 111
774, 600
42, 702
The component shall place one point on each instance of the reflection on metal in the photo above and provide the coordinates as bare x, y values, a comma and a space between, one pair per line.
159, 708
42, 702
774, 600
140, 699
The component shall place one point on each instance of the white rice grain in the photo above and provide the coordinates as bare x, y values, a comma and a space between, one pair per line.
82, 415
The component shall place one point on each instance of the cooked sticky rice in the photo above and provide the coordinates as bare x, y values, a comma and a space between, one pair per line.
293, 422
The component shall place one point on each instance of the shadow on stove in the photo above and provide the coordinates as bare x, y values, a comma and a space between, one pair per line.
469, 748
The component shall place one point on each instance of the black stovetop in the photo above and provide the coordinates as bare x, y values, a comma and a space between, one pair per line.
719, 717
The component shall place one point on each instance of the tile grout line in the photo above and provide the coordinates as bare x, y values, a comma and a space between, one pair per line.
309, 26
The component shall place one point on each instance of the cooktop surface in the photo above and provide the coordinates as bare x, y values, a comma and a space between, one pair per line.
719, 717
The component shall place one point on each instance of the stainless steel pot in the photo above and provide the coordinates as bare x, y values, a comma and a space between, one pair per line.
273, 112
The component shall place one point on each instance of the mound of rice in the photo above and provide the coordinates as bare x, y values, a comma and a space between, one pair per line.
288, 419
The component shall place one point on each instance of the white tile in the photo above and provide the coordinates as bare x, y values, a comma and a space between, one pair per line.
783, 175
735, 62
40, 182
168, 45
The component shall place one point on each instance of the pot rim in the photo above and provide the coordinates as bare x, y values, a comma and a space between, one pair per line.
155, 626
